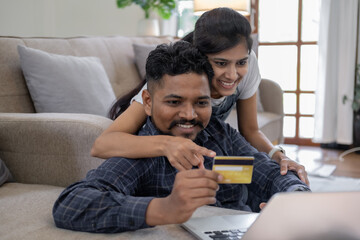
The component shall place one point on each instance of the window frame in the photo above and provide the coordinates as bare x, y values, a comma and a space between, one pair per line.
297, 115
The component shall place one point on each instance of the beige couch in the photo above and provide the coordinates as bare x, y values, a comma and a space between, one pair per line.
45, 152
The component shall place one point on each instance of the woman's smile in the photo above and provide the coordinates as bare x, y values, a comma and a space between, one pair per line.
228, 85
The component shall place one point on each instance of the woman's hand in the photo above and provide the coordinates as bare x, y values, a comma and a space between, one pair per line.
288, 164
183, 153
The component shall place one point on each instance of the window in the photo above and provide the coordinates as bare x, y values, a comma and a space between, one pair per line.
287, 53
186, 17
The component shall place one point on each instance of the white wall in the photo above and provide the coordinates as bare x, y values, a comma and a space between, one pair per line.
65, 18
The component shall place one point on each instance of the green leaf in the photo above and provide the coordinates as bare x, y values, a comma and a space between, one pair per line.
123, 3
163, 7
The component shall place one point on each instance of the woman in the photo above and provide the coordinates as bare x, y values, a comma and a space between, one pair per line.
224, 36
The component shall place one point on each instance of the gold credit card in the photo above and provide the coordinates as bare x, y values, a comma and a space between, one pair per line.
235, 169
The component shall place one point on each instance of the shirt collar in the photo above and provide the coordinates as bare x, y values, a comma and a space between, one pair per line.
149, 128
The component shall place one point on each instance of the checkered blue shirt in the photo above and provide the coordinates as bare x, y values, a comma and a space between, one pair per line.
114, 197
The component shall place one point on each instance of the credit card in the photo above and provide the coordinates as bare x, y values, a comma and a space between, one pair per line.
235, 169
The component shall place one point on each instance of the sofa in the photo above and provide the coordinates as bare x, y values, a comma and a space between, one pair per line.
270, 111
47, 151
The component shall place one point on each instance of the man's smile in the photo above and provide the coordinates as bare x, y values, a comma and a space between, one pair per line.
185, 126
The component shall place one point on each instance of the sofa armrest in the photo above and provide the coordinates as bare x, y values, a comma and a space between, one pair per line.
49, 148
271, 96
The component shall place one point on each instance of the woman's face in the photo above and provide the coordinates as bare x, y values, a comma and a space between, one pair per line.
229, 67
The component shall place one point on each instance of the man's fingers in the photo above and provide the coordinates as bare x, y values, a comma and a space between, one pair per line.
262, 205
204, 173
204, 183
202, 192
198, 202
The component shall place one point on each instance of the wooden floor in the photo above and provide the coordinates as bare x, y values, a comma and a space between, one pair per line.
314, 157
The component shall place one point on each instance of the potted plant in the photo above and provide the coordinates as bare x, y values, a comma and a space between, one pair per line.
163, 7
355, 104
150, 26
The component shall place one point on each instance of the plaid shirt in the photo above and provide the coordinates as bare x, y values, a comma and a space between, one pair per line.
114, 197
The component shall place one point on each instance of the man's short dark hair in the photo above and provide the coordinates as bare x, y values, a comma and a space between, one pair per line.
175, 59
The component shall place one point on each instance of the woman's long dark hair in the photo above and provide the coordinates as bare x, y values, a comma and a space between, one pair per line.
215, 31
124, 102
220, 29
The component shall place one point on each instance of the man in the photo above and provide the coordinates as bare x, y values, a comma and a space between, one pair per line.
128, 194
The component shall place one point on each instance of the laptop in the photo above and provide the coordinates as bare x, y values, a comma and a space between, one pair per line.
297, 215
230, 226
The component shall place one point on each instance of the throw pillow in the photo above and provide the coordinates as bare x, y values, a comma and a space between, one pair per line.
66, 84
141, 53
5, 174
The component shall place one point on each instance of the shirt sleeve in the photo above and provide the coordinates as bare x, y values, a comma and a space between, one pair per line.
138, 97
250, 83
104, 201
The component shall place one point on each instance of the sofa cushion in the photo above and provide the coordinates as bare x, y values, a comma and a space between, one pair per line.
141, 53
271, 125
26, 214
26, 210
5, 174
50, 148
66, 84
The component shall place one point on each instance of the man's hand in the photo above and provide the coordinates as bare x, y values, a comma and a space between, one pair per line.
262, 205
192, 189
288, 164
183, 153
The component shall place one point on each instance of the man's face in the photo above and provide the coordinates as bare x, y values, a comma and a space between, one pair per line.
180, 105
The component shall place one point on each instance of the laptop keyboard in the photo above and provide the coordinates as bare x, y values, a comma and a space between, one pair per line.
226, 234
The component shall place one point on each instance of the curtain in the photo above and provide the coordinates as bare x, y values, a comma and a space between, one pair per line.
337, 61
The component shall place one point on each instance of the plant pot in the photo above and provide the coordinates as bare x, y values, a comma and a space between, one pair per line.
148, 27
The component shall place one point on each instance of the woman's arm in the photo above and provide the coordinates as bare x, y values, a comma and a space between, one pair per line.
248, 127
119, 140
